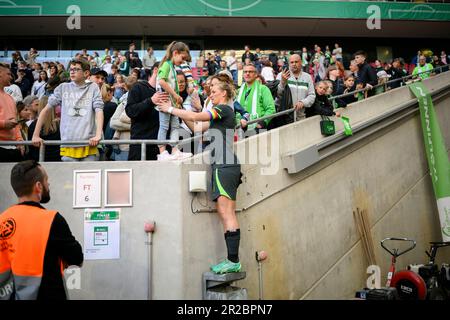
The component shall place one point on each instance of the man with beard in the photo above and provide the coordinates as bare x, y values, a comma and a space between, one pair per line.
36, 244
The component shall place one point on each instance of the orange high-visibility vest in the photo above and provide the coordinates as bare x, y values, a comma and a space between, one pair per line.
24, 233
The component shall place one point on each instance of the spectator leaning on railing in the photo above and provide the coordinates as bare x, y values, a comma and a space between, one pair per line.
423, 70
255, 97
366, 74
9, 129
50, 131
349, 86
321, 106
397, 73
81, 114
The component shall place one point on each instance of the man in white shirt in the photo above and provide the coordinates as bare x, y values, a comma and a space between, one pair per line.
337, 52
300, 84
232, 65
149, 59
107, 65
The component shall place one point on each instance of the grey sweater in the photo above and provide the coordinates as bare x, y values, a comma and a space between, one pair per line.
78, 107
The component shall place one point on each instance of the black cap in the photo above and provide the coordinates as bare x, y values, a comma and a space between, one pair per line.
95, 71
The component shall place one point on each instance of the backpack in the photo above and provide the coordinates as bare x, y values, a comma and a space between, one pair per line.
273, 87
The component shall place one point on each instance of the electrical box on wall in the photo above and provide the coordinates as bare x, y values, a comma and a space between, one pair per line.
197, 181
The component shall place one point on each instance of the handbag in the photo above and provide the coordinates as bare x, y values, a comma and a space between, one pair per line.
327, 127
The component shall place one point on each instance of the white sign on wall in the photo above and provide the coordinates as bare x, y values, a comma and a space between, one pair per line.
101, 234
87, 191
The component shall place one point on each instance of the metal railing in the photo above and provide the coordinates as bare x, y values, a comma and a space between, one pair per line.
142, 142
402, 80
145, 142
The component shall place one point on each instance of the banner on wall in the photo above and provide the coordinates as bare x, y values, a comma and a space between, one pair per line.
436, 154
231, 8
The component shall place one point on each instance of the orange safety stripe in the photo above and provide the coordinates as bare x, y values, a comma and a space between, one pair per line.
24, 233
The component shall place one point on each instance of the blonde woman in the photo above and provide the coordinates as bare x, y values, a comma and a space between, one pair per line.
50, 131
119, 86
226, 170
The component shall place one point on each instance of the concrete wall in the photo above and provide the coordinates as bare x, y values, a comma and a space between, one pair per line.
153, 199
304, 221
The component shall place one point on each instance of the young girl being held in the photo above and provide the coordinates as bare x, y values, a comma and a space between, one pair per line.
167, 81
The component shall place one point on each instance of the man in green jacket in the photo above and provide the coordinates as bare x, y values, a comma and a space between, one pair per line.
255, 98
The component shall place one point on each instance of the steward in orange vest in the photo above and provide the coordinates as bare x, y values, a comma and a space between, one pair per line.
35, 243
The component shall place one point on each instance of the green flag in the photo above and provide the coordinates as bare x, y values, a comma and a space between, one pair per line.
436, 154
347, 128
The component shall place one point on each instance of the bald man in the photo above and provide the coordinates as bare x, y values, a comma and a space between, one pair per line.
300, 84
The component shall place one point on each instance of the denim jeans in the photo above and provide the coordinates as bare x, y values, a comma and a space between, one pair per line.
164, 120
119, 155
234, 73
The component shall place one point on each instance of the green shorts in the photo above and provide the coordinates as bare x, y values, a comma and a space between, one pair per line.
225, 181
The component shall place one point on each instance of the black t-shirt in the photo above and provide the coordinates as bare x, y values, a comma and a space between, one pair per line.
144, 119
134, 63
367, 74
221, 131
108, 111
321, 106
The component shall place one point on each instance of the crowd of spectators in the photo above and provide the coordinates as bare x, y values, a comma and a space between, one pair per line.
113, 95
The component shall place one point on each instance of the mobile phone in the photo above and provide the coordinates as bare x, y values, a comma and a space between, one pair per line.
22, 120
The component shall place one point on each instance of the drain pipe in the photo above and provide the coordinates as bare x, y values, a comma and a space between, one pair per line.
149, 228
260, 256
